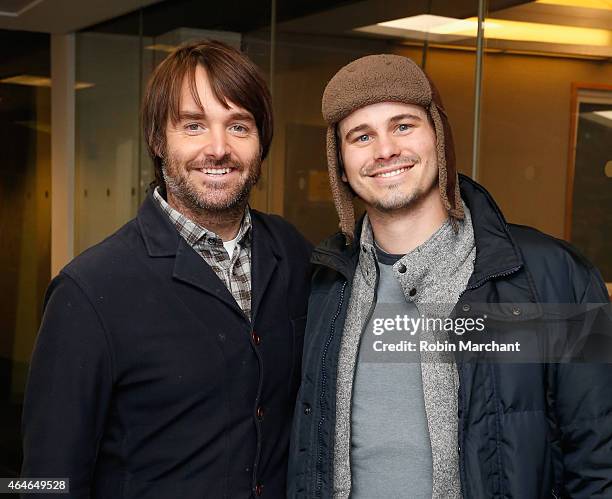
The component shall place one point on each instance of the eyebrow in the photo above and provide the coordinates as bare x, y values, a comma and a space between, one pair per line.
242, 116
394, 119
405, 116
191, 115
358, 128
200, 115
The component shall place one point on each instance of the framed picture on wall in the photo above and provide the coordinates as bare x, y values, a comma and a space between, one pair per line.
588, 216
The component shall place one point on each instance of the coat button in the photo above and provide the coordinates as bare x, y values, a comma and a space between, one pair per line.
516, 311
307, 409
260, 412
402, 269
466, 308
259, 489
256, 338
412, 292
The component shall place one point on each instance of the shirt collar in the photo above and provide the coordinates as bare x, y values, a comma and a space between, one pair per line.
439, 256
195, 234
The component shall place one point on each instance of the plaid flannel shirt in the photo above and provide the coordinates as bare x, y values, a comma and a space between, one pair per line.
235, 272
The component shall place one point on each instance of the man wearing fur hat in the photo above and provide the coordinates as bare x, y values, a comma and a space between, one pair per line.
433, 243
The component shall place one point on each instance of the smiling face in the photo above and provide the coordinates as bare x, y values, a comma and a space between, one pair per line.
213, 153
388, 153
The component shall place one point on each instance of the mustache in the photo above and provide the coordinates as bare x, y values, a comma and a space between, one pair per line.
375, 166
224, 162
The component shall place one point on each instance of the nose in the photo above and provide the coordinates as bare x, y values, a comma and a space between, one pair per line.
386, 147
217, 146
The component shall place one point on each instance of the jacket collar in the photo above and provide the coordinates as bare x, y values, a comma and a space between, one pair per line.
162, 239
335, 253
496, 251
160, 236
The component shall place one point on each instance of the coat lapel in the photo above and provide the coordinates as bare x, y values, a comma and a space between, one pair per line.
163, 240
190, 268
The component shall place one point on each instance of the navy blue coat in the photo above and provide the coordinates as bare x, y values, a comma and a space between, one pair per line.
527, 431
147, 380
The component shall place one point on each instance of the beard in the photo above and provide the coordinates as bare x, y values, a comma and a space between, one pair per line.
214, 197
394, 197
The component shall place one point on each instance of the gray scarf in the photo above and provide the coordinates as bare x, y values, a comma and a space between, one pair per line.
438, 270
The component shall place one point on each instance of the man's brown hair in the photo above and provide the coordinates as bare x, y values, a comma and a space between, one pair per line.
232, 77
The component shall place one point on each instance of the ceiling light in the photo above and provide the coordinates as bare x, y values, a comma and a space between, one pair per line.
585, 4
162, 47
40, 81
603, 118
435, 25
507, 51
33, 81
428, 23
604, 114
39, 126
546, 33
448, 29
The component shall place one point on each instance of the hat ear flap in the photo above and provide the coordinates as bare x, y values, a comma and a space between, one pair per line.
447, 170
341, 192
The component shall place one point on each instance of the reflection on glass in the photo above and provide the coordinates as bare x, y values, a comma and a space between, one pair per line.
113, 170
534, 50
592, 183
310, 49
526, 120
25, 220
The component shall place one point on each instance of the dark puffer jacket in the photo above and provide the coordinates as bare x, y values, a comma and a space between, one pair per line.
526, 431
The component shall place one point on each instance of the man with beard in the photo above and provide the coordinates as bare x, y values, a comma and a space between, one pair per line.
169, 355
426, 424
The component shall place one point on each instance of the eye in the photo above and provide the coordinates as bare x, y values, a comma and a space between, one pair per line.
363, 138
193, 127
404, 127
239, 129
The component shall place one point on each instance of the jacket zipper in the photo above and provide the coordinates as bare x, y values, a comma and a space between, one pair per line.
489, 277
365, 325
463, 479
367, 320
324, 389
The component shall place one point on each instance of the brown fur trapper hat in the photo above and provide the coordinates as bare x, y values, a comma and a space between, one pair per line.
386, 78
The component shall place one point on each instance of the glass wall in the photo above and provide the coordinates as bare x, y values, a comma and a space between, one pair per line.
535, 53
25, 221
524, 135
542, 137
114, 61
298, 48
311, 48
108, 71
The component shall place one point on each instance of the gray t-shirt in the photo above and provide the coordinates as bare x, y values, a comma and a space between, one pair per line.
390, 447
